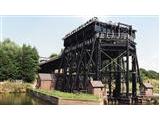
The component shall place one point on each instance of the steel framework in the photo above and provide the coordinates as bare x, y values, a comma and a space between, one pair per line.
100, 51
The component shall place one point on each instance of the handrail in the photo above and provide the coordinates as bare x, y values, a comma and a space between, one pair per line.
124, 36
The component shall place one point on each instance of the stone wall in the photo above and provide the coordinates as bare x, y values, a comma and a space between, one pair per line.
51, 99
59, 101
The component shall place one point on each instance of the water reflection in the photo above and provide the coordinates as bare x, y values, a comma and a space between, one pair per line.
20, 99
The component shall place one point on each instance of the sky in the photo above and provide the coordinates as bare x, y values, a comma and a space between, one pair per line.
46, 33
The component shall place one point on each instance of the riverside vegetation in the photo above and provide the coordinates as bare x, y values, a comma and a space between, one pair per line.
18, 62
13, 87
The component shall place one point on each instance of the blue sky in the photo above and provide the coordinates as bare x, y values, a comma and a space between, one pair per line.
46, 33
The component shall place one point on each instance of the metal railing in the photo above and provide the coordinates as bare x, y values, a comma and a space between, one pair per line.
118, 36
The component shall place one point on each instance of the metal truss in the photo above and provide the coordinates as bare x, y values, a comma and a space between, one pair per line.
110, 58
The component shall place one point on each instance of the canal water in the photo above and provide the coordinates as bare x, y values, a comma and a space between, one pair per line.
20, 99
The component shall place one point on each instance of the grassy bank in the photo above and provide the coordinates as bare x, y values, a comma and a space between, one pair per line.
65, 95
8, 87
154, 82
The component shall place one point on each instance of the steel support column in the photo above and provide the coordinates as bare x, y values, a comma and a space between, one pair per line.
127, 69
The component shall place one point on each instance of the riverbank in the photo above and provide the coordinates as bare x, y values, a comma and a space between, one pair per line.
63, 98
58, 97
50, 97
13, 87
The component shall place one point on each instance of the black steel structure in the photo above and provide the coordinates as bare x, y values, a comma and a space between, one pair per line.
100, 51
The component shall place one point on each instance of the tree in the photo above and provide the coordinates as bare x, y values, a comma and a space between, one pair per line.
4, 73
17, 62
8, 59
53, 55
153, 74
150, 74
29, 63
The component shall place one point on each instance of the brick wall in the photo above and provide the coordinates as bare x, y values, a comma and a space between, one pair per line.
95, 91
47, 84
98, 91
148, 92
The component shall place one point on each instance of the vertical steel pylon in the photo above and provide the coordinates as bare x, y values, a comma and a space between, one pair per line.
101, 51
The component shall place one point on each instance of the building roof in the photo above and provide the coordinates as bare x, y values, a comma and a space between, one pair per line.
96, 84
49, 65
148, 85
45, 76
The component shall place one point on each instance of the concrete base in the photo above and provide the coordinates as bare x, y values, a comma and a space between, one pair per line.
59, 101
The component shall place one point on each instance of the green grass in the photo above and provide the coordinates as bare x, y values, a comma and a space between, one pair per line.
65, 95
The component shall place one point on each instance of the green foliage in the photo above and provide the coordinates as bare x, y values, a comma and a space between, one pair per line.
8, 50
29, 63
153, 75
53, 55
150, 74
17, 62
